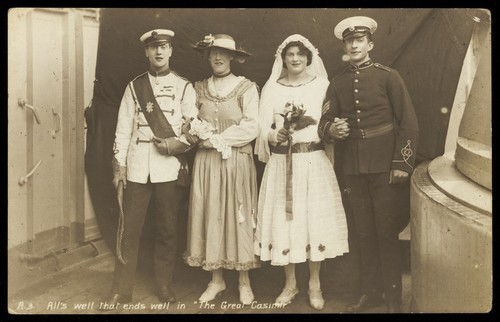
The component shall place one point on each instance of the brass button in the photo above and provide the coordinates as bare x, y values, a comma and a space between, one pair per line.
356, 90
357, 72
357, 101
358, 111
216, 120
358, 120
356, 80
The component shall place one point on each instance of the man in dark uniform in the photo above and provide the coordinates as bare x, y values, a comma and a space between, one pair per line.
372, 120
151, 133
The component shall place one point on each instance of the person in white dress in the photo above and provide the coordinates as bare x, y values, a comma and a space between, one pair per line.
223, 199
300, 212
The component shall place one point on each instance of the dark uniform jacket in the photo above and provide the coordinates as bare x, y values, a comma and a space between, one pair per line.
382, 121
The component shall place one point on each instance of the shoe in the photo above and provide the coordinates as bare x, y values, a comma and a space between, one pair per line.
112, 302
393, 307
316, 299
364, 302
246, 294
213, 290
165, 294
286, 297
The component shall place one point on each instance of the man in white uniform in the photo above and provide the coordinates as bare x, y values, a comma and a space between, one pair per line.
151, 134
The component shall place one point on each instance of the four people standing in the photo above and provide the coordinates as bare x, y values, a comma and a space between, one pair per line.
377, 154
297, 215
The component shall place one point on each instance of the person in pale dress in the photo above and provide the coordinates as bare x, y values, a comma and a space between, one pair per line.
223, 199
300, 212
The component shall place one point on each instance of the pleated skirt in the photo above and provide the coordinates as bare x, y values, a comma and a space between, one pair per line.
222, 211
318, 229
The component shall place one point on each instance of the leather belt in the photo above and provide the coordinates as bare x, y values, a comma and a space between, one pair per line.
298, 148
370, 132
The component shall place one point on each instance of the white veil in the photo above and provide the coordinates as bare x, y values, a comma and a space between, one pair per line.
266, 107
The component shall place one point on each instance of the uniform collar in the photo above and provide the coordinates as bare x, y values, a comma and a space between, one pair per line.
157, 74
366, 64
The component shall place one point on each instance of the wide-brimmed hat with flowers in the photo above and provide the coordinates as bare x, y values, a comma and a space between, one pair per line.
221, 41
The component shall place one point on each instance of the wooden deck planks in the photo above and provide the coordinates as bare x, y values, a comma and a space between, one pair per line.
91, 282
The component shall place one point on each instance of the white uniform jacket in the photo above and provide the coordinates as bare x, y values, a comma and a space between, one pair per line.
177, 99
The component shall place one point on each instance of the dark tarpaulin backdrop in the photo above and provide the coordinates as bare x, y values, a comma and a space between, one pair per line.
427, 47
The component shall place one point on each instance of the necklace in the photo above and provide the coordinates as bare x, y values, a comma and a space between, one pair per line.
296, 81
222, 76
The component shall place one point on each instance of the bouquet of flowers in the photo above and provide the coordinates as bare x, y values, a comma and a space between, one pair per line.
201, 128
295, 119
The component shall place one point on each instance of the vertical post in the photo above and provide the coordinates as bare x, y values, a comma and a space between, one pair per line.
29, 133
79, 128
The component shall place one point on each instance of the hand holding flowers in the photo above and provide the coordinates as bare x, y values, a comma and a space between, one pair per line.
201, 128
205, 131
283, 135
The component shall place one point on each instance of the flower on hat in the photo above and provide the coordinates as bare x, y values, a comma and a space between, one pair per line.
209, 39
206, 42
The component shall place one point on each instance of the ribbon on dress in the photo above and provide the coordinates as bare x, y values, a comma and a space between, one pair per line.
294, 120
289, 181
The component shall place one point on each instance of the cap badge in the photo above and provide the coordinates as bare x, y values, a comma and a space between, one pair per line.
351, 28
154, 34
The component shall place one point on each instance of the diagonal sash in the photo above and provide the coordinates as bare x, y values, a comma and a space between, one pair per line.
157, 121
152, 112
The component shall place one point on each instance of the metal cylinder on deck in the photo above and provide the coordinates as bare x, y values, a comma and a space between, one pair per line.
451, 212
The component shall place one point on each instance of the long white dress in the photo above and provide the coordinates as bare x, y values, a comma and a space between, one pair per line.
318, 229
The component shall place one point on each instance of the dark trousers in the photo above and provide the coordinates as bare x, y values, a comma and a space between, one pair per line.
377, 218
136, 200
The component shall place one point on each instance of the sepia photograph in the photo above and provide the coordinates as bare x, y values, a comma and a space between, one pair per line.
249, 161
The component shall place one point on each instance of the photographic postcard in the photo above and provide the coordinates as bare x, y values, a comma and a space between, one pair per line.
69, 71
